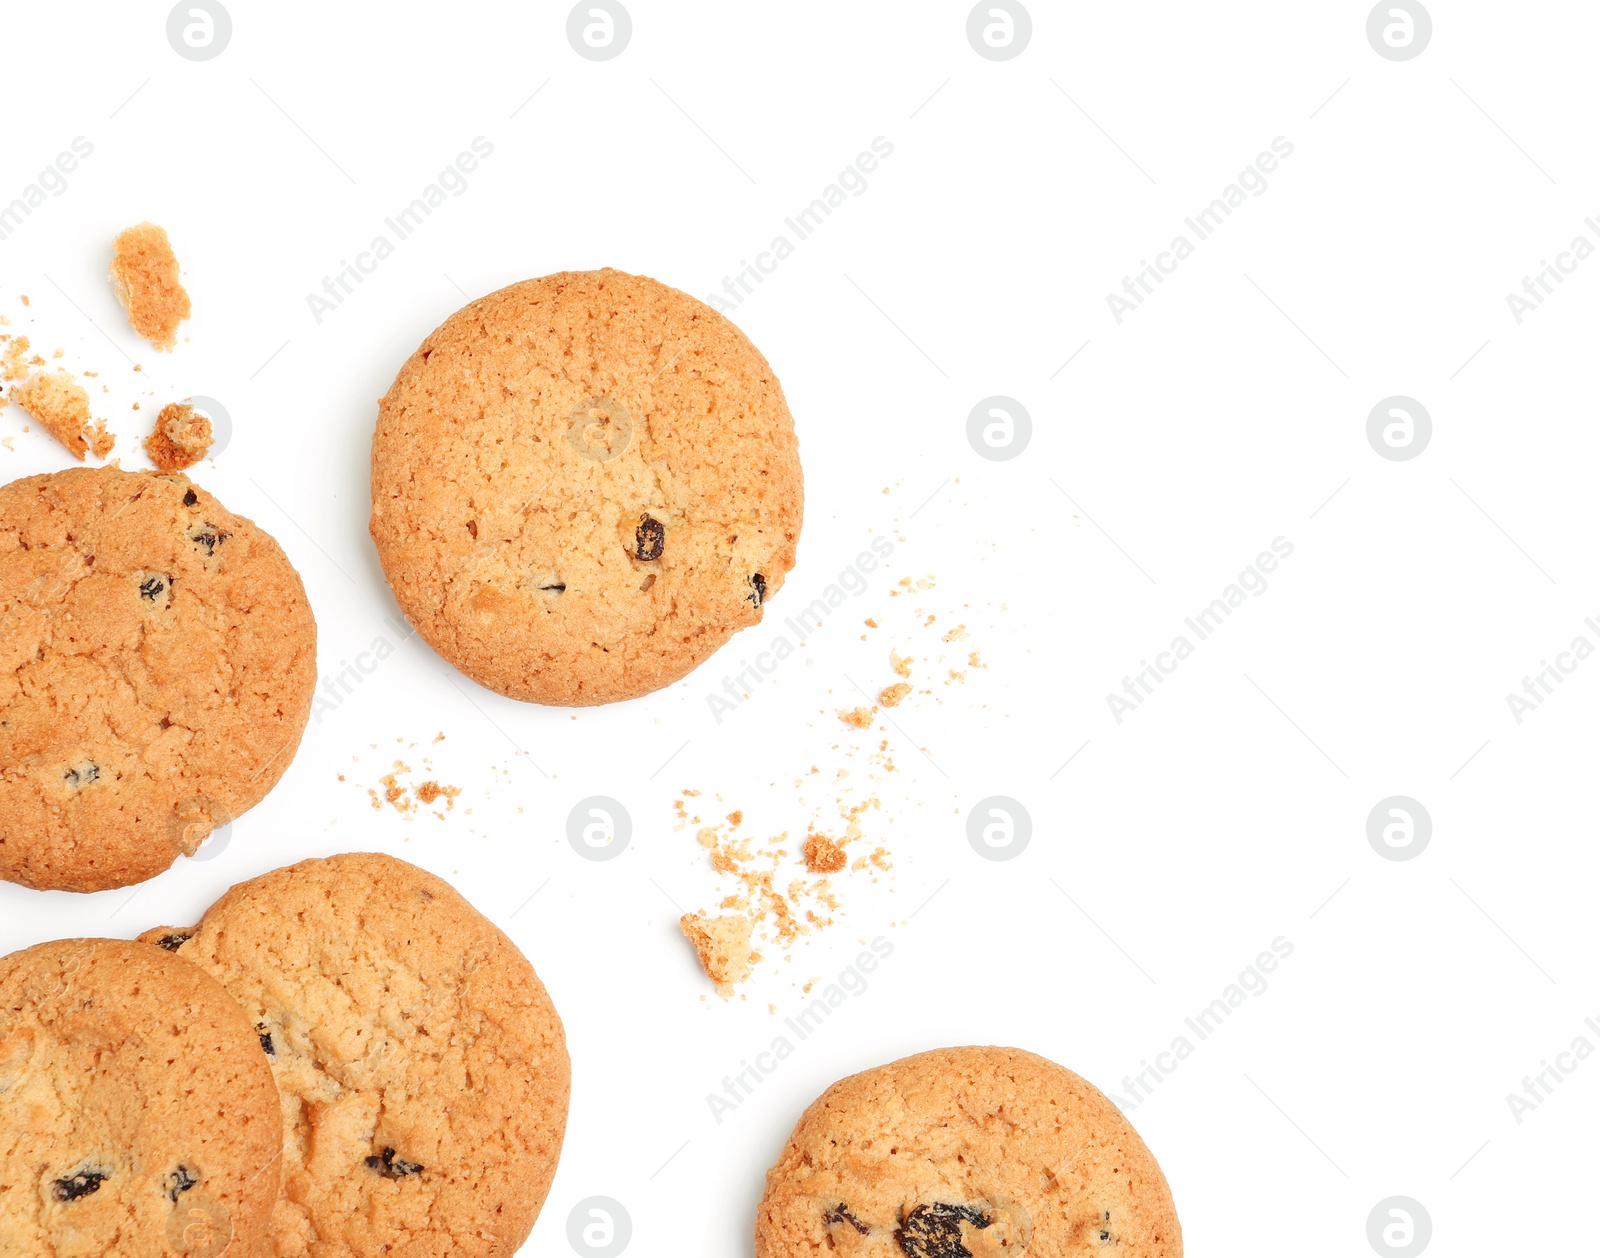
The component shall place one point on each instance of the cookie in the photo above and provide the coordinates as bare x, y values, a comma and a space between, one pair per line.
423, 1069
583, 485
966, 1153
137, 1113
157, 663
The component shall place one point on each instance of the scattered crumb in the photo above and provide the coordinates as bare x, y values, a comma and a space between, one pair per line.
736, 817
25, 300
861, 718
144, 273
900, 663
180, 438
958, 634
870, 623
823, 855
892, 695
14, 362
723, 944
61, 405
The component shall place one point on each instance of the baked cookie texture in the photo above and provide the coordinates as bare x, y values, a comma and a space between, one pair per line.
144, 275
583, 485
966, 1153
157, 663
137, 1113
422, 1068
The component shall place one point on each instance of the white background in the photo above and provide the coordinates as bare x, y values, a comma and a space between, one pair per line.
1229, 810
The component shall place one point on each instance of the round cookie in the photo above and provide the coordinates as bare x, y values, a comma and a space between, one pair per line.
157, 663
966, 1153
137, 1113
582, 485
423, 1069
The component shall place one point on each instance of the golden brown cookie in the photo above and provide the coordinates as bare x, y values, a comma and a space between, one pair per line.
582, 485
966, 1153
157, 661
423, 1069
138, 1117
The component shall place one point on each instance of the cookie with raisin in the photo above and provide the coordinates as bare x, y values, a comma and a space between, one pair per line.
966, 1153
583, 485
157, 664
138, 1116
422, 1066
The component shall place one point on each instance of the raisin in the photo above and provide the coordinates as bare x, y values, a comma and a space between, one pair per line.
758, 589
79, 1185
172, 942
152, 588
265, 1036
210, 537
391, 1167
80, 775
934, 1231
841, 1214
180, 1182
190, 498
649, 539
555, 587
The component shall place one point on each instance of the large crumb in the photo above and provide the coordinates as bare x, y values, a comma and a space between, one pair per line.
724, 947
861, 718
145, 275
892, 695
61, 405
823, 855
180, 438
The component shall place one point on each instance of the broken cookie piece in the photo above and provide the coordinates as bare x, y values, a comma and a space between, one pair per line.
890, 696
724, 947
61, 405
823, 855
180, 438
144, 273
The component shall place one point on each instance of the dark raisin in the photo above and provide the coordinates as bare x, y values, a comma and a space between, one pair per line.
79, 1185
649, 539
172, 942
472, 527
934, 1231
841, 1214
210, 537
391, 1167
190, 498
555, 587
152, 588
758, 589
265, 1036
80, 775
180, 1182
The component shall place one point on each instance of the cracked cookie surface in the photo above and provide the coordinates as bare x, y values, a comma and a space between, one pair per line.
157, 663
423, 1070
583, 485
137, 1115
966, 1153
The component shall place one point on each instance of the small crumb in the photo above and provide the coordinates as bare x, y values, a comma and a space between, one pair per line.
25, 300
861, 718
958, 634
180, 438
900, 663
892, 695
723, 944
870, 623
736, 817
823, 855
144, 273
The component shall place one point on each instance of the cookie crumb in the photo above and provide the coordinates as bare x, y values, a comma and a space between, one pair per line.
823, 855
861, 718
61, 405
900, 663
723, 944
144, 272
180, 438
892, 695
